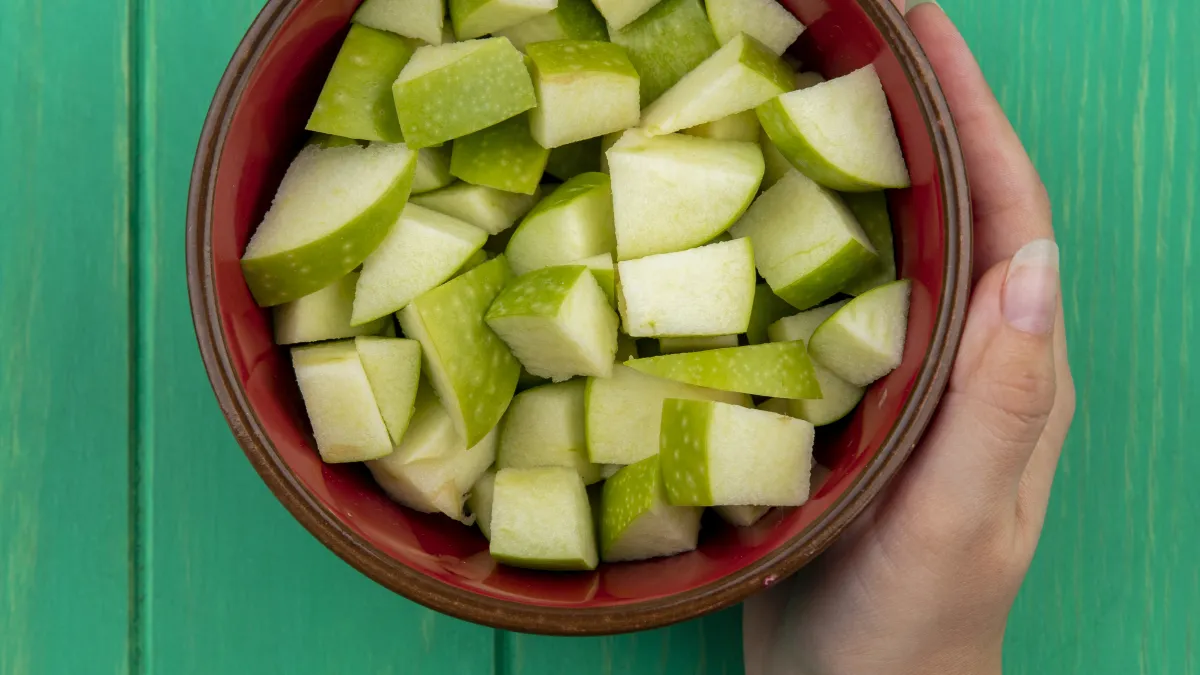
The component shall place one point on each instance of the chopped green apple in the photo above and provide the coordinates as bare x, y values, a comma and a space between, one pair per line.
480, 501
453, 90
489, 209
423, 250
666, 43
864, 340
808, 244
620, 13
476, 18
838, 397
765, 20
420, 19
624, 413
741, 76
356, 101
544, 427
324, 315
337, 395
605, 272
768, 308
472, 370
839, 133
569, 161
637, 522
433, 170
695, 344
742, 516
573, 223
780, 369
503, 156
541, 519
393, 367
871, 211
585, 89
741, 126
715, 454
558, 323
805, 80
676, 192
700, 292
571, 20
801, 326
332, 209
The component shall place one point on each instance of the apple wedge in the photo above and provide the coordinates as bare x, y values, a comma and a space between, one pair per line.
453, 90
741, 126
573, 223
864, 340
620, 13
541, 519
585, 89
715, 454
695, 344
489, 209
393, 367
470, 367
780, 370
637, 522
341, 408
503, 156
569, 161
332, 209
571, 20
839, 133
479, 502
676, 192
476, 18
768, 308
356, 101
808, 244
740, 76
666, 43
433, 170
871, 211
420, 19
700, 292
324, 315
544, 427
764, 20
558, 323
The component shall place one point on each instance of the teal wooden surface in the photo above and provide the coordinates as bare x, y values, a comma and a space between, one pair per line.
134, 537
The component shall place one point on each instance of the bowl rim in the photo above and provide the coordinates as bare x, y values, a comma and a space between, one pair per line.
511, 615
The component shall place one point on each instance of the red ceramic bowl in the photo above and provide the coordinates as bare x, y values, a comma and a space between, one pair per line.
255, 127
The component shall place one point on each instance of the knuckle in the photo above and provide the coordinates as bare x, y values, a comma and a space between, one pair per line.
1020, 401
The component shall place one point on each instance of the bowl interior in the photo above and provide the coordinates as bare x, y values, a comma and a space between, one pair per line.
271, 95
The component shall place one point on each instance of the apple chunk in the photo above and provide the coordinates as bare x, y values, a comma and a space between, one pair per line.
541, 519
393, 367
585, 89
571, 20
476, 18
779, 369
838, 397
605, 272
637, 522
489, 209
765, 20
420, 19
337, 395
666, 43
544, 427
480, 501
864, 340
356, 101
332, 209
871, 211
503, 156
324, 315
573, 223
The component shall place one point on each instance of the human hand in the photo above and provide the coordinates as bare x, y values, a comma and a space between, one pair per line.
924, 580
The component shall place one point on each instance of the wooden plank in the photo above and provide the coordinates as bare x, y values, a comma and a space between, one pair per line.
64, 337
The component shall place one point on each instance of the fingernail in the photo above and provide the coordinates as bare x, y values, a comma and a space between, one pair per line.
1030, 301
914, 3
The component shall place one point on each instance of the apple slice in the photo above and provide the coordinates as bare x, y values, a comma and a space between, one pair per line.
768, 308
558, 323
808, 244
420, 19
470, 367
324, 315
541, 519
393, 367
476, 18
332, 209
573, 223
624, 413
571, 20
585, 89
871, 211
605, 272
544, 427
742, 516
864, 340
637, 522
569, 161
356, 101
666, 43
457, 89
741, 126
781, 369
695, 344
839, 133
503, 156
337, 395
764, 20
677, 192
838, 397
433, 170
715, 454
700, 292
489, 209
479, 502
741, 76
620, 13
423, 250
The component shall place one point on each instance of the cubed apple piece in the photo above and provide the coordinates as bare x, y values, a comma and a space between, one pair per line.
332, 209
871, 211
573, 223
479, 502
503, 156
700, 292
456, 89
636, 520
433, 170
695, 344
571, 20
393, 367
544, 427
605, 272
356, 101
341, 408
624, 413
742, 516
666, 43
740, 76
472, 370
864, 340
807, 243
569, 161
764, 20
541, 519
838, 397
839, 133
715, 454
558, 323
585, 89
423, 250
780, 369
420, 19
676, 192
476, 18
768, 308
324, 315
489, 209
741, 126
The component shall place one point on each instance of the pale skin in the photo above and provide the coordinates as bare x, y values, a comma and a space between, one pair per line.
924, 580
